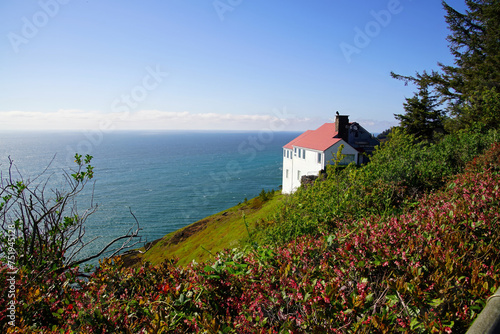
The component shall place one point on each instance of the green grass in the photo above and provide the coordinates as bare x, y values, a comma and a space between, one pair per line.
202, 240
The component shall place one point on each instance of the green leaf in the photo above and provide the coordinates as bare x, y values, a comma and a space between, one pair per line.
392, 299
414, 324
436, 302
209, 269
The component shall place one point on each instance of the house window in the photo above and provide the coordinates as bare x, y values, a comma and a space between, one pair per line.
347, 159
319, 158
286, 174
295, 151
284, 153
303, 154
298, 175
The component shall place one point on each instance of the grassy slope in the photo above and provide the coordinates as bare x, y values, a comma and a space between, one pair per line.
203, 239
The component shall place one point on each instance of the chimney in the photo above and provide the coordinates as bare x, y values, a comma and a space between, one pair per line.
342, 127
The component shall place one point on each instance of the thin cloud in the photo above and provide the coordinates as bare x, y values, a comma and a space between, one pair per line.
74, 119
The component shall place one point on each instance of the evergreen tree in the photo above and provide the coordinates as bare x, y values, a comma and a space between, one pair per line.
422, 118
472, 84
475, 44
384, 134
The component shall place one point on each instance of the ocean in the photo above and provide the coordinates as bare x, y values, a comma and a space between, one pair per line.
168, 179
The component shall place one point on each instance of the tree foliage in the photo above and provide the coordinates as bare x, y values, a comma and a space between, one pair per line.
423, 118
383, 135
475, 43
470, 88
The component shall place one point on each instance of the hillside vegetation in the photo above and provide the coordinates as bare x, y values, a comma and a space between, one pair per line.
202, 240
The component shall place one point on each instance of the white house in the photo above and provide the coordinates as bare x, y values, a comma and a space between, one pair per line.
310, 152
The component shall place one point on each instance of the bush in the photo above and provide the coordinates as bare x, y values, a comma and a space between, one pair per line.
265, 196
41, 236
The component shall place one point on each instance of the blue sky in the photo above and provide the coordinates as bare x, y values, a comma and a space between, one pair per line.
286, 65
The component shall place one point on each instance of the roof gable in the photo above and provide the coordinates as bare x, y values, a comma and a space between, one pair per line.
320, 139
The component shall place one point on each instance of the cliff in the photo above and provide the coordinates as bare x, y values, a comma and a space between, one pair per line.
201, 240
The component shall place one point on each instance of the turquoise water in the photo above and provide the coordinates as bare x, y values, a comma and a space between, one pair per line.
167, 179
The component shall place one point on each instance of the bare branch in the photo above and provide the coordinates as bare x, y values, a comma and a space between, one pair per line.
128, 236
51, 229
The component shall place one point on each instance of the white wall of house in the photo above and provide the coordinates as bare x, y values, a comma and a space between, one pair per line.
287, 183
303, 161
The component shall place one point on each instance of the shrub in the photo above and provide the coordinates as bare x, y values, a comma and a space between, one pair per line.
41, 236
265, 196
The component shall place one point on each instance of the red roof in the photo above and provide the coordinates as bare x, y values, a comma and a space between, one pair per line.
320, 139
